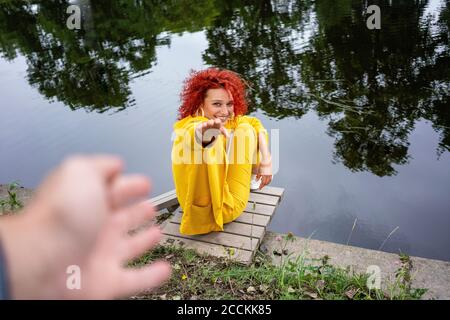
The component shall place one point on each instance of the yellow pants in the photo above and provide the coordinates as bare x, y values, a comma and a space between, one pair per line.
237, 185
216, 191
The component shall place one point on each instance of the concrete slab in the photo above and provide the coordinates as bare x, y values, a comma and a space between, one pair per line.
433, 275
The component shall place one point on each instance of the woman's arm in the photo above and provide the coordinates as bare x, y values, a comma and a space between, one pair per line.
264, 169
264, 148
265, 165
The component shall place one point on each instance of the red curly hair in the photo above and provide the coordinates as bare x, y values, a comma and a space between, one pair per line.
198, 83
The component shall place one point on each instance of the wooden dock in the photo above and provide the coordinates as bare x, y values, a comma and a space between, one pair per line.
240, 238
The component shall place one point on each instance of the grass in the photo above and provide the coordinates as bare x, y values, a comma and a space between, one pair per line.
402, 285
11, 202
202, 277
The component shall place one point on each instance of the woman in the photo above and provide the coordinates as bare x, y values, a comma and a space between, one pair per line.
215, 151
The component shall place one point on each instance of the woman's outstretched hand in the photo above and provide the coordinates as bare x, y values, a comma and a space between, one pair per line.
203, 129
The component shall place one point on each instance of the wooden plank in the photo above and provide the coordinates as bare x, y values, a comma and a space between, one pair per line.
244, 229
237, 228
239, 255
255, 219
272, 191
258, 208
263, 198
219, 238
267, 196
170, 193
165, 200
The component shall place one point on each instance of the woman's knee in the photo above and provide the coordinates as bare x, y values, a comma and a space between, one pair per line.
246, 129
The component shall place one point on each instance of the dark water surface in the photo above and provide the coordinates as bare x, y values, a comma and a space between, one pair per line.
363, 115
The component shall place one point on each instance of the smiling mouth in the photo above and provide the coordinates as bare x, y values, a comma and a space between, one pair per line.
223, 119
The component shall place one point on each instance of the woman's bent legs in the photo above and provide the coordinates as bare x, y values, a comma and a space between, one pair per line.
241, 160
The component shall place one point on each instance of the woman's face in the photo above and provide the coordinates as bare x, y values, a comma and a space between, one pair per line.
218, 104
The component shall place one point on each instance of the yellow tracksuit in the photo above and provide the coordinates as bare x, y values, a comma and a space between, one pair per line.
213, 183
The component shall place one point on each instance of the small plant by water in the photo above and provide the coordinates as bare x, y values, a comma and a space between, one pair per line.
11, 203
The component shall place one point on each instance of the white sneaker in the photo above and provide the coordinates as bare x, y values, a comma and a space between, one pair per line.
254, 184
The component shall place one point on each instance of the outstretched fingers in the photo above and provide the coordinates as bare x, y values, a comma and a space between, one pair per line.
126, 189
134, 216
213, 124
107, 166
138, 244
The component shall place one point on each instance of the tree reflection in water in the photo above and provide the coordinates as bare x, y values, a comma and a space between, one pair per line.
372, 86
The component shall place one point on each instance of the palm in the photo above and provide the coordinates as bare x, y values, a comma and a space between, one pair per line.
216, 124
